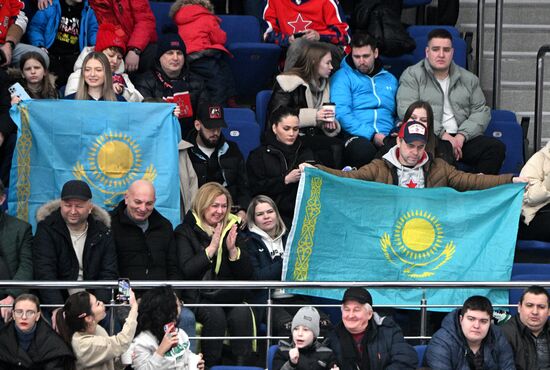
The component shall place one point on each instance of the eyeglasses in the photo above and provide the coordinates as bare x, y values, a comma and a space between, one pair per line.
25, 314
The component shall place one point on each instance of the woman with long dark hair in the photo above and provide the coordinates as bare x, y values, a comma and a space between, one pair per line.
27, 342
159, 344
273, 167
306, 87
78, 323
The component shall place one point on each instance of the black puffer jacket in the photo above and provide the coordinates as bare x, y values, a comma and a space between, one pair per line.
156, 84
47, 351
267, 167
226, 166
7, 126
144, 256
313, 357
54, 257
191, 241
523, 344
383, 343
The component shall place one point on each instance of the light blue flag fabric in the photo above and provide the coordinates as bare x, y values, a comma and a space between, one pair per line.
106, 144
354, 230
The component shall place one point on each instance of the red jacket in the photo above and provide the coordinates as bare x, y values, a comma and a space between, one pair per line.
286, 17
199, 29
134, 16
10, 13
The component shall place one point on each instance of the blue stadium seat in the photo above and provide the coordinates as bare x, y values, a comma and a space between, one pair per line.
542, 269
271, 355
254, 63
396, 65
160, 10
420, 351
529, 272
533, 246
415, 30
242, 129
413, 3
262, 100
505, 127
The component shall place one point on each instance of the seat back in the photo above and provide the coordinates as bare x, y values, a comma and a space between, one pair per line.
160, 11
242, 129
271, 355
420, 352
262, 100
241, 28
505, 127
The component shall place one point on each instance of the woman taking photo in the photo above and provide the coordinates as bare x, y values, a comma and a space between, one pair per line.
159, 344
27, 342
306, 87
208, 248
35, 78
273, 167
78, 324
96, 81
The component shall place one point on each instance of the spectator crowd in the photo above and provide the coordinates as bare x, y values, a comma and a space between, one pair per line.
333, 106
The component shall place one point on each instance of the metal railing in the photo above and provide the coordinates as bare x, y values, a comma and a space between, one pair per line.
423, 305
497, 51
539, 88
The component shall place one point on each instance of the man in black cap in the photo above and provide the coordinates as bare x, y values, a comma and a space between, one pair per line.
216, 159
73, 242
170, 80
366, 341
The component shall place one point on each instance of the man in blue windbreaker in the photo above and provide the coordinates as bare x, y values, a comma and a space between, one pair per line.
364, 94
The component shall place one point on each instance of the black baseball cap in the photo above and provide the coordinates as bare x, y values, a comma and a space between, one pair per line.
357, 294
76, 189
211, 115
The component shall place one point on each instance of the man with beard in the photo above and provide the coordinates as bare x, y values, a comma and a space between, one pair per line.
215, 159
364, 94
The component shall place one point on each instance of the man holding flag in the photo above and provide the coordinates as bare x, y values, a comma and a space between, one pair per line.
408, 164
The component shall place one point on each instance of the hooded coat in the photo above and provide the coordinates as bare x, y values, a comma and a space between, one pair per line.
448, 347
54, 256
316, 356
197, 25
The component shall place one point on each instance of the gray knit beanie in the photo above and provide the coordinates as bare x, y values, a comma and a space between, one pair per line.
308, 317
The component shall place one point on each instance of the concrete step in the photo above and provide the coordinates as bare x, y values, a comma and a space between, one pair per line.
519, 98
515, 67
526, 12
515, 37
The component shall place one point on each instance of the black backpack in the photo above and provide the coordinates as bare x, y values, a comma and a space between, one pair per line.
382, 20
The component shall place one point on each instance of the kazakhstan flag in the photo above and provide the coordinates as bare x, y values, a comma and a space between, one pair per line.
354, 230
106, 144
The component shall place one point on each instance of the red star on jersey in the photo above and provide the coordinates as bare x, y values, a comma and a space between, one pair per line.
299, 25
411, 184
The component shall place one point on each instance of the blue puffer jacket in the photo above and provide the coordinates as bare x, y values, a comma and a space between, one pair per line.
447, 348
43, 27
364, 105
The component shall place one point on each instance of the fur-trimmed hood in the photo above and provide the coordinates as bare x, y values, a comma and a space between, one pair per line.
47, 209
181, 3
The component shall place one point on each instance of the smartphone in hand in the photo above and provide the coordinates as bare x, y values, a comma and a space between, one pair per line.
123, 295
18, 90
